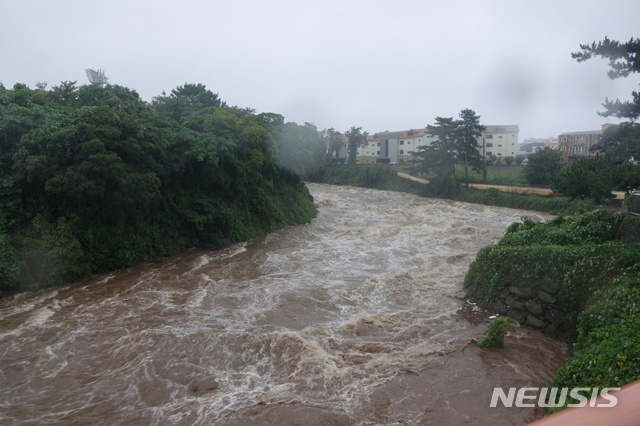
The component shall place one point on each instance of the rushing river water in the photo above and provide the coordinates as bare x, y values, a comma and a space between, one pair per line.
352, 319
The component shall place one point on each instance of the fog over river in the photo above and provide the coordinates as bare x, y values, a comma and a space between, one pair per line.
351, 319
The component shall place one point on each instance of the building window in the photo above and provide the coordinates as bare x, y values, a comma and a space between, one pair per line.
489, 145
402, 151
499, 146
401, 142
500, 137
489, 136
489, 153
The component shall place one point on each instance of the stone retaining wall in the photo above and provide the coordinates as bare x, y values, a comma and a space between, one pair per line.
536, 306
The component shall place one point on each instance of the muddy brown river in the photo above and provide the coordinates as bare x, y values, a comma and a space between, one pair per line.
352, 319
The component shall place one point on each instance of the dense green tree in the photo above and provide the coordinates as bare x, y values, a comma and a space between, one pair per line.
624, 59
439, 157
94, 179
454, 142
621, 142
185, 101
300, 148
335, 142
585, 178
468, 132
356, 138
65, 93
543, 165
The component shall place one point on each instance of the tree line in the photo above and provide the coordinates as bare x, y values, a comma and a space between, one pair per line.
94, 179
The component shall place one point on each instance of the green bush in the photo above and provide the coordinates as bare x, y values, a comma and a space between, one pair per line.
9, 266
493, 197
496, 331
586, 178
599, 288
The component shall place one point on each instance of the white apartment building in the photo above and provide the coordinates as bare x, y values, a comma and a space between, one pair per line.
501, 141
396, 147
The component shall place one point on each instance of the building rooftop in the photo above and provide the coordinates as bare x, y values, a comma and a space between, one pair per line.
509, 128
412, 133
585, 132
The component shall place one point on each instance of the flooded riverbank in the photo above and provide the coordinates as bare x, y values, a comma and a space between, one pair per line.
352, 319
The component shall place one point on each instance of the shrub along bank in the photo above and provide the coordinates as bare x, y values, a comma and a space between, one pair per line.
596, 277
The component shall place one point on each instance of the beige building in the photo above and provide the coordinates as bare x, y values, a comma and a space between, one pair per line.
396, 147
393, 147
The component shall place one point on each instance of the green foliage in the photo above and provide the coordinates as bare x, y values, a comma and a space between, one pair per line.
543, 166
374, 175
468, 132
186, 102
335, 142
626, 176
51, 254
597, 226
598, 279
496, 331
94, 179
623, 60
9, 265
356, 138
620, 142
554, 205
496, 176
586, 178
439, 156
455, 142
300, 148
607, 351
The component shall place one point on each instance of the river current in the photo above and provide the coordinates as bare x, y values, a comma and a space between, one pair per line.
351, 319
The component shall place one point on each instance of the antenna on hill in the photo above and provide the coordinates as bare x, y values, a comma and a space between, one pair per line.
96, 77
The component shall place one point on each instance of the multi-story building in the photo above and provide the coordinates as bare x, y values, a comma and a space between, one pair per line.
501, 141
393, 147
578, 144
396, 147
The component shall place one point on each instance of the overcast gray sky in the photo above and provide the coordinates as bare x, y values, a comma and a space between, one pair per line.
381, 65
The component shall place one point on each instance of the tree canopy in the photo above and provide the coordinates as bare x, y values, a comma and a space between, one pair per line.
356, 138
453, 142
543, 165
624, 59
94, 179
